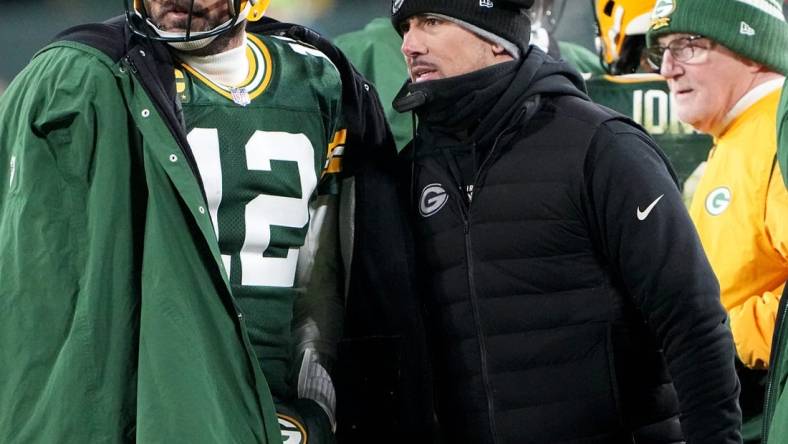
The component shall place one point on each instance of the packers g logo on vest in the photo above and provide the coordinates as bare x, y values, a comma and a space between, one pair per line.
433, 198
661, 15
718, 200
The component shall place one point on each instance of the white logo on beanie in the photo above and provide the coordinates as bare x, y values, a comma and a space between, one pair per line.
396, 6
746, 29
486, 3
663, 8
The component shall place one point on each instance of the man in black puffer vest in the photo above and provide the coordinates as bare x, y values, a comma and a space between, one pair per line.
567, 295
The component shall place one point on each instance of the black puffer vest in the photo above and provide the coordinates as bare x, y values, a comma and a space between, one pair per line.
534, 339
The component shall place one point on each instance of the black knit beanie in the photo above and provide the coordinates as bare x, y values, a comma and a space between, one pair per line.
504, 18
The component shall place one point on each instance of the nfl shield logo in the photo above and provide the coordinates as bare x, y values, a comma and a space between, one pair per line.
240, 96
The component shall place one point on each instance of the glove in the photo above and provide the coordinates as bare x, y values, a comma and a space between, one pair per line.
302, 421
315, 383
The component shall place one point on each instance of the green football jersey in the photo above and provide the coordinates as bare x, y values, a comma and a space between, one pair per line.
265, 151
645, 98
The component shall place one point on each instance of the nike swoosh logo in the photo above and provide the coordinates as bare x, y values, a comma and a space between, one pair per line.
642, 215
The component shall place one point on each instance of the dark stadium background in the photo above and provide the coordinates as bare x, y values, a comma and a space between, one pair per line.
27, 25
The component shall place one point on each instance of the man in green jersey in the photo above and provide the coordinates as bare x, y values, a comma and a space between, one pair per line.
169, 220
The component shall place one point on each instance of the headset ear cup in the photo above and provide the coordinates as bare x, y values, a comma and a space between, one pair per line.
258, 10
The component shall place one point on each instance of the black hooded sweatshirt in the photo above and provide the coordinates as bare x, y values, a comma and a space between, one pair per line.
566, 292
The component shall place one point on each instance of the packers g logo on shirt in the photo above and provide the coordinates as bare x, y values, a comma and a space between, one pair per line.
718, 200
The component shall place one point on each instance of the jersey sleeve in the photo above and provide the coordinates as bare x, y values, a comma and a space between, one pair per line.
753, 321
333, 168
331, 176
648, 237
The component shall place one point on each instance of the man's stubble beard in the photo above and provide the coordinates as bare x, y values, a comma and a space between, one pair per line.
224, 42
228, 40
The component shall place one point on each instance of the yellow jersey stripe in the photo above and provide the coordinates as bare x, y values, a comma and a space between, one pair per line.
260, 71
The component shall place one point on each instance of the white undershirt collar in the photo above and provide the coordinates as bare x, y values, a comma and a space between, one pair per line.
228, 68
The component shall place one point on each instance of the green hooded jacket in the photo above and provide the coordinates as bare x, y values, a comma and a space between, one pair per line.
116, 319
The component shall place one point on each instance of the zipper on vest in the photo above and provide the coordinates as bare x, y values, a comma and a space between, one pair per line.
478, 324
488, 158
466, 214
777, 339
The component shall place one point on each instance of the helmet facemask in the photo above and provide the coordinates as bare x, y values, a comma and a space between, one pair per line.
140, 23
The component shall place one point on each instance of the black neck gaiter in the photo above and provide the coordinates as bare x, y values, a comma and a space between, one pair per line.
461, 102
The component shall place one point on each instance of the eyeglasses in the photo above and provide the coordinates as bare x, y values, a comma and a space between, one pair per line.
683, 50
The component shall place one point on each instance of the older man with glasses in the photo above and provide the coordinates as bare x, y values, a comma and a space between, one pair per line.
722, 60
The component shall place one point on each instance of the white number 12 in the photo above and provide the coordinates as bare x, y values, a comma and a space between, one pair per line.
264, 210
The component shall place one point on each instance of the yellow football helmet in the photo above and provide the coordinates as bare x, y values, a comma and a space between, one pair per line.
621, 30
258, 9
240, 10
